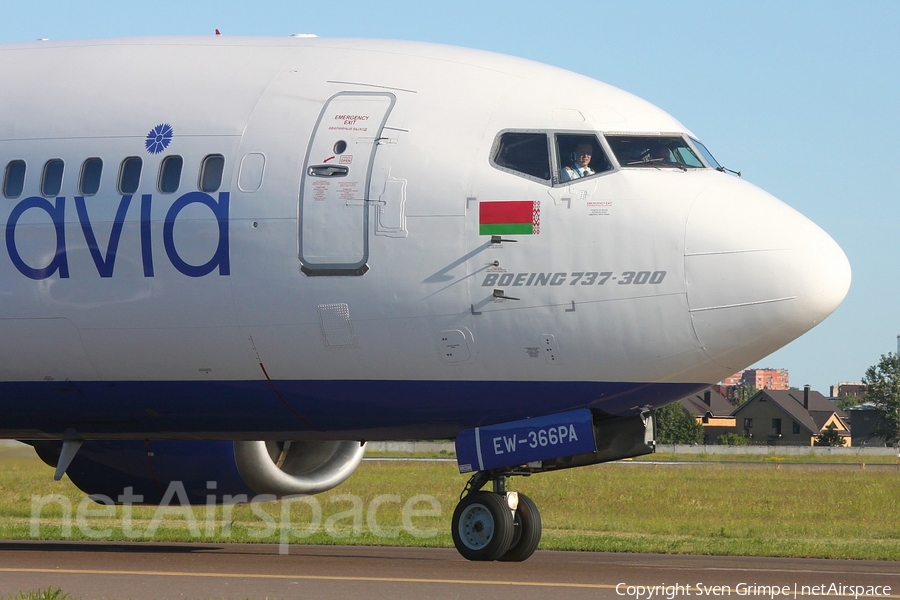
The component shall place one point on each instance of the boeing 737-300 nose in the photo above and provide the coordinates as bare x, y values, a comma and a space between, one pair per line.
758, 273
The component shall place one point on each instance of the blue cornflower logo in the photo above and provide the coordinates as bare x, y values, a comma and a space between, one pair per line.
159, 138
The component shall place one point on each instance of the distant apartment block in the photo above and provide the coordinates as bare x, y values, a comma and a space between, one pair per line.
735, 387
767, 379
761, 379
736, 379
844, 389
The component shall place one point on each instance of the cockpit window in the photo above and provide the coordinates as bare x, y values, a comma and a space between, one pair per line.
653, 151
523, 153
706, 154
579, 156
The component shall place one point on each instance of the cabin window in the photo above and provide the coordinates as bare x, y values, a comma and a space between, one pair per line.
250, 177
524, 154
130, 175
748, 423
580, 156
211, 173
89, 182
796, 427
170, 174
657, 151
776, 426
51, 177
14, 179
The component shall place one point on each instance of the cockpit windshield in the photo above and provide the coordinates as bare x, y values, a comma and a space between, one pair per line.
706, 154
653, 151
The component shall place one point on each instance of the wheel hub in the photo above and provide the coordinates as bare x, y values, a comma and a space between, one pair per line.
476, 527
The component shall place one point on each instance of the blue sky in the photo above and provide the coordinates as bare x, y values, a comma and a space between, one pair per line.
803, 97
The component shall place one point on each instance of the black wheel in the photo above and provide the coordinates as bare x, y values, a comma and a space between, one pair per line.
482, 526
527, 534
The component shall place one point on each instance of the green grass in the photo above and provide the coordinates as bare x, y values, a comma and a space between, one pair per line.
46, 594
723, 509
807, 458
403, 454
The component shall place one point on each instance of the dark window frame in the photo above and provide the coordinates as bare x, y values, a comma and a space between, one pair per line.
11, 176
86, 177
52, 175
212, 170
170, 176
600, 161
641, 151
511, 163
126, 175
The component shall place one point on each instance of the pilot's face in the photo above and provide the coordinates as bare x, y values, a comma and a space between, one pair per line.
583, 155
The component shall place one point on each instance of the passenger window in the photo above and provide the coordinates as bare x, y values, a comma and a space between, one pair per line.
89, 182
250, 177
130, 175
211, 173
523, 153
653, 151
14, 179
580, 156
51, 178
170, 174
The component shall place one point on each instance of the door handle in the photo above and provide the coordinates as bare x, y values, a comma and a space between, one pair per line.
328, 171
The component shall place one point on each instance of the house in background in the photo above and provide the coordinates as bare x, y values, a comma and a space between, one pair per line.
713, 411
863, 418
791, 417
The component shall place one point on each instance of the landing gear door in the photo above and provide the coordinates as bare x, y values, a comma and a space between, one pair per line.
334, 211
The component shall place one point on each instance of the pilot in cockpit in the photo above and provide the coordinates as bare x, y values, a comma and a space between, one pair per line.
580, 163
658, 154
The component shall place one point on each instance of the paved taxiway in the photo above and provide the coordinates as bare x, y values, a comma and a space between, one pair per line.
140, 570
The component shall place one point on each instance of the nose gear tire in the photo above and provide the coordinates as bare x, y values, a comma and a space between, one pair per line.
482, 526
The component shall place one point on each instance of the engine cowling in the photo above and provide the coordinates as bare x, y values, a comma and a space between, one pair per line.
289, 468
207, 471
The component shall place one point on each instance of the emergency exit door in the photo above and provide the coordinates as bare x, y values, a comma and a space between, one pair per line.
334, 192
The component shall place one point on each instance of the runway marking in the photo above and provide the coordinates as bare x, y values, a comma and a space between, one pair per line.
552, 584
596, 586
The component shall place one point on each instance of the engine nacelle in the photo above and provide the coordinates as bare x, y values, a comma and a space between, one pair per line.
289, 468
204, 472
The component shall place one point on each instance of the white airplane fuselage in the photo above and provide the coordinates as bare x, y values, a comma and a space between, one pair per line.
327, 291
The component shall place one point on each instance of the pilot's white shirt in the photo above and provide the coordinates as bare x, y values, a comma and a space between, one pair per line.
575, 172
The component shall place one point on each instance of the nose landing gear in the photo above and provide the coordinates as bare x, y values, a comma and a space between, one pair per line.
482, 526
501, 525
526, 531
496, 525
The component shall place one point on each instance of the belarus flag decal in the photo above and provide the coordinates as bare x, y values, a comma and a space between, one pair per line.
509, 217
